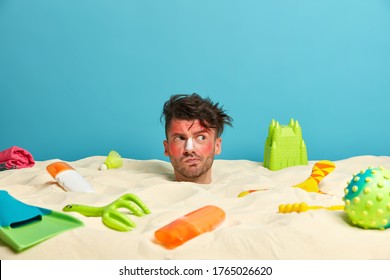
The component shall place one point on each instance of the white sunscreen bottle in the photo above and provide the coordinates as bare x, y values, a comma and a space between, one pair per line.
68, 178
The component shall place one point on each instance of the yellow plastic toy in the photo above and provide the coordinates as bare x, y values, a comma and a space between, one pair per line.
113, 160
303, 207
244, 193
311, 184
319, 171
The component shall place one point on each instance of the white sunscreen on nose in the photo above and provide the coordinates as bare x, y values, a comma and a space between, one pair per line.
189, 144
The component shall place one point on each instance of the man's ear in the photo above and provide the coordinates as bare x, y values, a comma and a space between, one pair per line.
165, 143
218, 146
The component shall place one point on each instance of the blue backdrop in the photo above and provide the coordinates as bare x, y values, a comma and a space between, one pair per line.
81, 77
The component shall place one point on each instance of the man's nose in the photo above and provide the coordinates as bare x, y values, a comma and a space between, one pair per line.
189, 145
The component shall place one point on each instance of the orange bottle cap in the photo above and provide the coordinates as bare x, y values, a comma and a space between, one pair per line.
57, 167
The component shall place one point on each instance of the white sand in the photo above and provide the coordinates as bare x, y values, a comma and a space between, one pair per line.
253, 228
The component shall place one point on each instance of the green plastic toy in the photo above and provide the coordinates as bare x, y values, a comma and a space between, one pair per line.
111, 217
367, 199
284, 146
23, 226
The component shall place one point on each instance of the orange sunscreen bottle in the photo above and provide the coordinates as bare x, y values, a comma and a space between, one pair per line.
68, 178
189, 226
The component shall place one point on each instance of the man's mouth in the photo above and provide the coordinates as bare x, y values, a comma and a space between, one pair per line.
191, 160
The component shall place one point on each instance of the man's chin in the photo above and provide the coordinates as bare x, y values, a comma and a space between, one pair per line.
191, 174
196, 176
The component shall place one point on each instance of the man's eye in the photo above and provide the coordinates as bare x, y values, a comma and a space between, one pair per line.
179, 138
201, 137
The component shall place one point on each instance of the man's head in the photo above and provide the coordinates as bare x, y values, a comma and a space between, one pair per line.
193, 126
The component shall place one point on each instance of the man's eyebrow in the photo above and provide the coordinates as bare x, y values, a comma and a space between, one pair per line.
177, 134
203, 131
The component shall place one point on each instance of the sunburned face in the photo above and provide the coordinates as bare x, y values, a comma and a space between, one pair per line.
191, 149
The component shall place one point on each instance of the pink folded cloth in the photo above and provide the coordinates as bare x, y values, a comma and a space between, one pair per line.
15, 157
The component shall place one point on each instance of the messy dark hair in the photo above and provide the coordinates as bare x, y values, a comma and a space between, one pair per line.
194, 107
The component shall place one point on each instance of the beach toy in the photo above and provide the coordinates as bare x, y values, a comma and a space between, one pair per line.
311, 184
189, 226
319, 171
111, 217
284, 146
23, 226
244, 193
68, 178
113, 160
367, 198
303, 207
